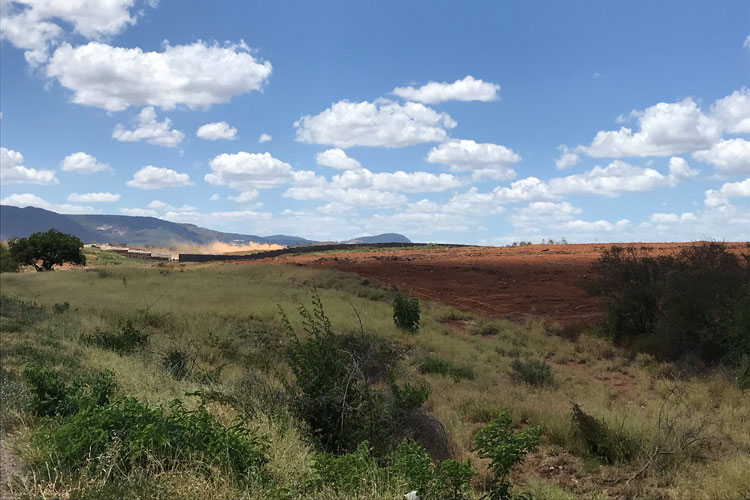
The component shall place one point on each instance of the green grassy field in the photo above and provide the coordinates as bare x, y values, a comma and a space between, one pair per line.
682, 437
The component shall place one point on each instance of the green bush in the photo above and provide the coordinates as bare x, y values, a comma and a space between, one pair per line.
129, 433
127, 341
602, 442
451, 481
334, 395
52, 396
537, 373
504, 449
439, 366
406, 312
7, 263
175, 362
687, 306
350, 472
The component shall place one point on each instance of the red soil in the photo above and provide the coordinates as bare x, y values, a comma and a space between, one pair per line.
501, 282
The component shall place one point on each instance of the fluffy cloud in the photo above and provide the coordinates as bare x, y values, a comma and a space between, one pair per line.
619, 177
543, 212
196, 75
31, 24
733, 111
248, 171
729, 157
12, 172
468, 89
150, 130
32, 200
82, 163
336, 158
245, 196
722, 196
407, 182
669, 218
218, 130
150, 177
264, 138
139, 212
484, 160
380, 123
347, 196
93, 197
664, 129
567, 159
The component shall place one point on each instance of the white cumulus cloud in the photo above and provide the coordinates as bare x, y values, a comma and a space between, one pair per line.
33, 25
248, 171
568, 158
149, 130
150, 177
217, 130
12, 172
32, 200
93, 197
729, 190
380, 123
82, 163
197, 75
728, 157
665, 129
484, 160
733, 111
400, 181
466, 89
264, 138
336, 158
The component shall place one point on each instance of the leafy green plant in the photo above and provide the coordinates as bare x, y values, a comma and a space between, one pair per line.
676, 307
452, 480
504, 448
349, 472
46, 250
52, 396
406, 312
537, 373
411, 462
127, 341
132, 434
7, 263
333, 392
440, 366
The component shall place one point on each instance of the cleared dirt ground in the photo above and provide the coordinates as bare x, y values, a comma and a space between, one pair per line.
502, 282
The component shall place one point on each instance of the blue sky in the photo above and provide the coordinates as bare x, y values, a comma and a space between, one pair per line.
471, 122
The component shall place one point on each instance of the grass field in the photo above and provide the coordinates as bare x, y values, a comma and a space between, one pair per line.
677, 436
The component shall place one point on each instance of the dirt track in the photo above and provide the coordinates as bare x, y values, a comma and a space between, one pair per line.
503, 282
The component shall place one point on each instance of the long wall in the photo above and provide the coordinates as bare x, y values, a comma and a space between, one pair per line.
198, 257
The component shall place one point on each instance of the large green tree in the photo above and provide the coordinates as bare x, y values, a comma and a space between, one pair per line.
46, 250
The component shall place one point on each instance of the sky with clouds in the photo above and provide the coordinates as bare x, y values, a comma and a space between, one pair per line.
472, 122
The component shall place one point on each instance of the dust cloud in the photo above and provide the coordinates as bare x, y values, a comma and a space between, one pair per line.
217, 247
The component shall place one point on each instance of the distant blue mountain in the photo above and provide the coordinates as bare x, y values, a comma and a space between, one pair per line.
18, 222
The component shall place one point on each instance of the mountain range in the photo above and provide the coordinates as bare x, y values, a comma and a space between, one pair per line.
16, 222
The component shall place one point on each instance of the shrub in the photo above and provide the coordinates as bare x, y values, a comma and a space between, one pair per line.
504, 449
333, 394
349, 472
175, 362
52, 396
406, 312
61, 307
689, 305
412, 463
601, 441
7, 263
537, 373
439, 366
127, 341
452, 480
132, 434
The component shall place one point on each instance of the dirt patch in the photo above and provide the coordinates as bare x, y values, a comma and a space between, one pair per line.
499, 282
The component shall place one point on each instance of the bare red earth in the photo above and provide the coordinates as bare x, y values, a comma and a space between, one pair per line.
501, 282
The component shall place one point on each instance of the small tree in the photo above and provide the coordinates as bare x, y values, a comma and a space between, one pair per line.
504, 448
7, 263
406, 312
51, 248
